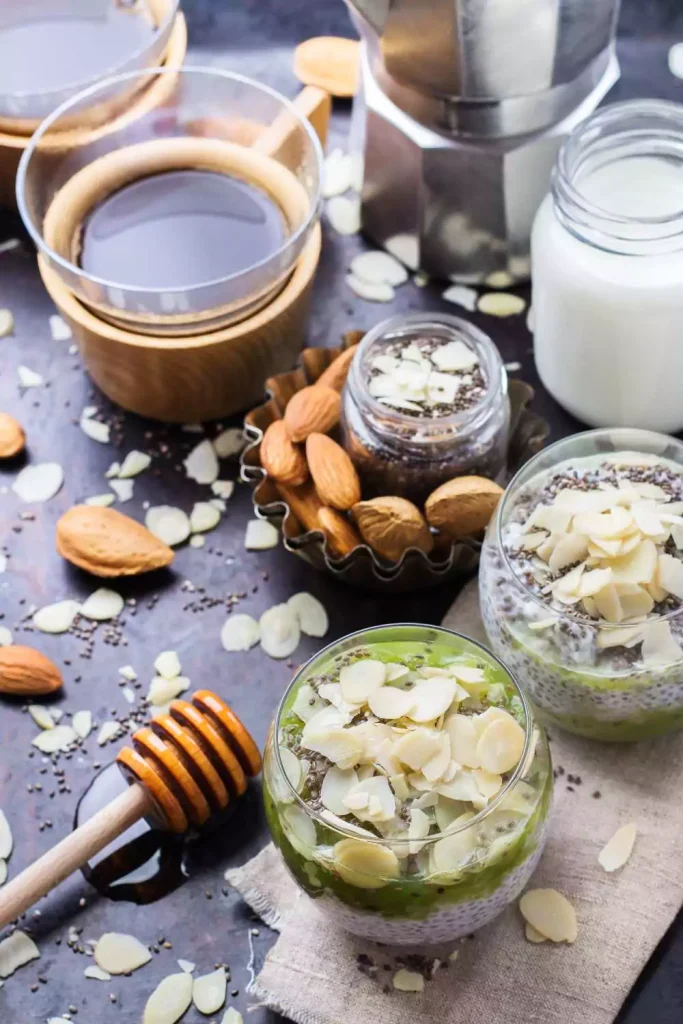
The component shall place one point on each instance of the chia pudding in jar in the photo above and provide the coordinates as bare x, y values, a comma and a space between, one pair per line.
581, 583
407, 784
426, 400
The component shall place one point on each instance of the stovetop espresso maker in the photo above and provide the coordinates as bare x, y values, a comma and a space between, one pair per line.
463, 106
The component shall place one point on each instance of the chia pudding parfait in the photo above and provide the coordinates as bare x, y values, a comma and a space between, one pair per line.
426, 400
581, 583
407, 784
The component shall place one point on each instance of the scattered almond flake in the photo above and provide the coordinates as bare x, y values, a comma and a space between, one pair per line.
103, 604
204, 517
232, 1016
82, 724
123, 489
408, 981
29, 378
280, 632
42, 717
108, 730
197, 540
94, 429
163, 691
89, 411
167, 664
461, 295
5, 636
119, 953
113, 470
218, 503
102, 500
223, 489
310, 613
343, 214
6, 322
209, 991
59, 328
378, 267
128, 694
57, 617
550, 913
420, 279
260, 535
96, 973
337, 171
3, 874
513, 367
532, 935
73, 350
39, 482
169, 1000
16, 951
240, 633
201, 464
499, 279
229, 443
135, 462
675, 60
186, 965
170, 525
6, 841
618, 850
370, 292
59, 738
128, 672
405, 248
659, 646
501, 304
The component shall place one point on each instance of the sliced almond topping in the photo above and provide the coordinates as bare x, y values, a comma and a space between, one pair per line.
381, 802
417, 747
311, 614
361, 679
451, 853
502, 304
209, 990
336, 786
336, 743
659, 646
59, 738
618, 850
550, 913
300, 829
608, 604
240, 633
570, 549
169, 1000
187, 966
432, 698
464, 740
624, 636
500, 745
119, 953
593, 581
280, 633
391, 703
418, 829
488, 783
640, 566
365, 865
437, 765
636, 605
463, 786
670, 575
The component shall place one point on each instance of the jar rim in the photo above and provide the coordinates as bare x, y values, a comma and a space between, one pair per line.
530, 726
514, 485
478, 340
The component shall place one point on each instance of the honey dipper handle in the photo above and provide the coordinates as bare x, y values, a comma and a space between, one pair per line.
73, 851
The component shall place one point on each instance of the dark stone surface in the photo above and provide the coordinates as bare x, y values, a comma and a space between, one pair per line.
253, 37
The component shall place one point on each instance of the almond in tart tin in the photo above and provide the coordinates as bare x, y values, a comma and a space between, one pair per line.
325, 538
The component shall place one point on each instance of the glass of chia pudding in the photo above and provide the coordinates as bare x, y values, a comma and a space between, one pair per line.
407, 784
426, 400
581, 583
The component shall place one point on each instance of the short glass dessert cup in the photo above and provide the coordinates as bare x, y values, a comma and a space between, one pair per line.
398, 894
409, 456
575, 670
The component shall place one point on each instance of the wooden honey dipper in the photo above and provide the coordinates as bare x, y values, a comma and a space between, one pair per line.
182, 768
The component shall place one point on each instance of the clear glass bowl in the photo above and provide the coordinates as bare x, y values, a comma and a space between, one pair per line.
602, 692
420, 907
76, 44
211, 120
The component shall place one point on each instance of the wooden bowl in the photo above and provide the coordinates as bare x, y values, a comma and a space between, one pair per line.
13, 144
190, 379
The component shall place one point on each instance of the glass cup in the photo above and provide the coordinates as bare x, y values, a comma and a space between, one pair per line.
211, 120
498, 847
573, 668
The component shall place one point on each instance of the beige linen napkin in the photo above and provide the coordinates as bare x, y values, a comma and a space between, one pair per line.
312, 973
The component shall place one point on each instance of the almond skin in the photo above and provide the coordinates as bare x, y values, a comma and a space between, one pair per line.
314, 409
336, 373
462, 507
304, 503
392, 525
333, 473
280, 458
106, 543
340, 535
23, 670
12, 437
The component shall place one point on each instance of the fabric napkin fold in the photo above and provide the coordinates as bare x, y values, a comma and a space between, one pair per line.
315, 974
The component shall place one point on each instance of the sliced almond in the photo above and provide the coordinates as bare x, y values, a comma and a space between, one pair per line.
502, 304
223, 489
390, 703
416, 747
5, 638
464, 739
306, 703
336, 174
365, 865
260, 535
29, 378
232, 1016
640, 566
209, 990
169, 1000
15, 952
670, 574
418, 829
435, 768
369, 291
570, 549
102, 605
432, 698
240, 633
56, 618
379, 267
361, 679
96, 973
204, 517
44, 720
343, 213
168, 524
187, 966
280, 632
40, 482
408, 981
594, 581
167, 664
340, 745
659, 646
59, 738
6, 841
94, 429
82, 724
59, 329
6, 322
618, 850
501, 745
163, 691
550, 913
229, 443
119, 953
461, 295
623, 636
450, 854
532, 935
381, 802
336, 786
100, 500
108, 731
201, 464
310, 613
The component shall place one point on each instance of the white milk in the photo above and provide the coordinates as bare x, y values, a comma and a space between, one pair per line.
609, 327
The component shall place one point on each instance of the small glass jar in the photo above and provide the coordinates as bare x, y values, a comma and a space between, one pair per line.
416, 904
409, 455
607, 269
586, 676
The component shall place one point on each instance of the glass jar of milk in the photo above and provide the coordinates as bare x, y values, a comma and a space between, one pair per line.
607, 269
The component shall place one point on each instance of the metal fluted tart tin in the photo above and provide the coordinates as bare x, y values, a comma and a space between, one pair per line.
362, 567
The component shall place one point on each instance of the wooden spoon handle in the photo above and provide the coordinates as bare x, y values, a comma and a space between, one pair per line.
73, 851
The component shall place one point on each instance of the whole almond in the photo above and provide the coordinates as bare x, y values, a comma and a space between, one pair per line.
107, 543
333, 473
392, 525
23, 670
304, 503
280, 458
314, 409
462, 507
12, 437
340, 535
336, 373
